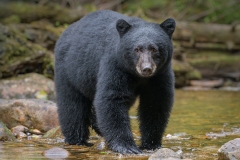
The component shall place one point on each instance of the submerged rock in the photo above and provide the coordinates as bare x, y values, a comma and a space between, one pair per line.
34, 113
230, 150
56, 153
165, 153
178, 136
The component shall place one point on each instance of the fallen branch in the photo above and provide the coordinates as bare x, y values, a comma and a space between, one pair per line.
208, 36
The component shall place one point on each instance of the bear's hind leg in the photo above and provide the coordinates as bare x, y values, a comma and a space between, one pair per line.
74, 111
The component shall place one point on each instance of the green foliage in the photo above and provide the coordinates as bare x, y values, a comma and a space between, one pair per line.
57, 23
90, 7
28, 12
189, 10
11, 19
145, 4
59, 13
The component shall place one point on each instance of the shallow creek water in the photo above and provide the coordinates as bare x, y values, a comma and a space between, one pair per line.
201, 121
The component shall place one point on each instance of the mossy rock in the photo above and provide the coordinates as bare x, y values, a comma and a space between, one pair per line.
5, 133
54, 133
19, 55
41, 32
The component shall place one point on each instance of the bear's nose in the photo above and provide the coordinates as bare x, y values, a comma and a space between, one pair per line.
147, 70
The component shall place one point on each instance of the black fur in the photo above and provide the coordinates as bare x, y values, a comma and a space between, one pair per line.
96, 80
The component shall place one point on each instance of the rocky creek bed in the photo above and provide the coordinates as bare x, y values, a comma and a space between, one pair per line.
203, 125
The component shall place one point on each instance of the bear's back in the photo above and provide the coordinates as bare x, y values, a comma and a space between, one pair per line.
80, 49
92, 33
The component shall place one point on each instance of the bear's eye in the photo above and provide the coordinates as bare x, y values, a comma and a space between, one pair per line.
137, 50
153, 50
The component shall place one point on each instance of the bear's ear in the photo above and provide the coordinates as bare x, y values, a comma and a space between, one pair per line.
122, 27
168, 26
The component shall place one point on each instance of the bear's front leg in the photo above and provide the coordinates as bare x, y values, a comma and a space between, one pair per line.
112, 101
156, 100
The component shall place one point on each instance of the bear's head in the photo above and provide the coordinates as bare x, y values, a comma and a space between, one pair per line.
145, 47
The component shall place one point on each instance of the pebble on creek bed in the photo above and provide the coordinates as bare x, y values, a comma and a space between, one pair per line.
56, 152
164, 153
19, 131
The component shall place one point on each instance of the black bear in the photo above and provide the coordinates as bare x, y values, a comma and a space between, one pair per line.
102, 63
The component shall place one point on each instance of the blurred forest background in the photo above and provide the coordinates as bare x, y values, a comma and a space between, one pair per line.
206, 57
206, 40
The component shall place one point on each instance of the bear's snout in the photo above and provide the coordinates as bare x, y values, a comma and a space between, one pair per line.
147, 70
145, 66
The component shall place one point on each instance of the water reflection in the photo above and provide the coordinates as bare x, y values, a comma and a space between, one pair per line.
200, 113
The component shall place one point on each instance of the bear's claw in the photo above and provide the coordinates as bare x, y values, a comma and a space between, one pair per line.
126, 150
